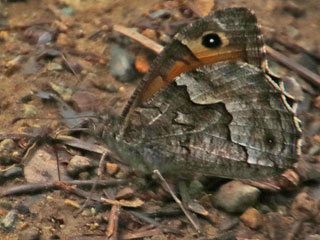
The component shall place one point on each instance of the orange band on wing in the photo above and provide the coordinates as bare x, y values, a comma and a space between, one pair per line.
204, 57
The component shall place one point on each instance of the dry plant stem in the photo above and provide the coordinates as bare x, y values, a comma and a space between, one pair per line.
100, 170
282, 59
70, 67
36, 187
154, 223
292, 46
148, 43
112, 229
294, 66
58, 165
141, 234
193, 223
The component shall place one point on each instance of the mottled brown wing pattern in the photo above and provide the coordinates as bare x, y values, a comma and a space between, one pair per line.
224, 120
240, 39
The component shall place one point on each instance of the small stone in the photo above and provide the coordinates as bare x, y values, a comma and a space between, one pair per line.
23, 209
84, 175
122, 64
86, 213
141, 63
304, 207
7, 149
72, 203
64, 40
195, 189
12, 172
4, 35
236, 197
78, 164
111, 88
30, 110
150, 33
31, 233
52, 66
9, 220
112, 168
42, 167
293, 88
125, 193
252, 218
204, 6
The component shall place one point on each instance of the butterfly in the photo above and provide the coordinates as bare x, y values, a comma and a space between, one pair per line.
210, 106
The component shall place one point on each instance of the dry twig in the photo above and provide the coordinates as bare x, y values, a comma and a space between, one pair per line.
188, 215
36, 187
282, 59
112, 229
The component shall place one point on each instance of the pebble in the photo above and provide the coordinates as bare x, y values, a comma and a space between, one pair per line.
150, 33
30, 110
195, 189
293, 88
9, 220
122, 64
64, 40
72, 203
42, 167
236, 197
12, 172
252, 218
23, 209
304, 207
78, 164
7, 149
112, 168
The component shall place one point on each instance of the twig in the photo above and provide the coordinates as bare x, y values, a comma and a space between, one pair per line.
148, 43
112, 229
70, 67
294, 66
154, 223
141, 234
36, 187
103, 157
193, 223
295, 47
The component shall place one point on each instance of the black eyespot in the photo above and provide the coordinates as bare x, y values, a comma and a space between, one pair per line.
270, 140
211, 40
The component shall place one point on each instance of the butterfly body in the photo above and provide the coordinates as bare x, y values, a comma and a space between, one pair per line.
208, 107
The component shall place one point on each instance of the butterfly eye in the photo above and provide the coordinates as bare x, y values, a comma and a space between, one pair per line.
211, 40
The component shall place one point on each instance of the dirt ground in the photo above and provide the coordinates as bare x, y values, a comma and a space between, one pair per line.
75, 63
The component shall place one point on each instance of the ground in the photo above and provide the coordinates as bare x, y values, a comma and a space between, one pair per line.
75, 63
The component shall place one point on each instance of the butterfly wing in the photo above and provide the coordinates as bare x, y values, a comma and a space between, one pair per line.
224, 120
235, 35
